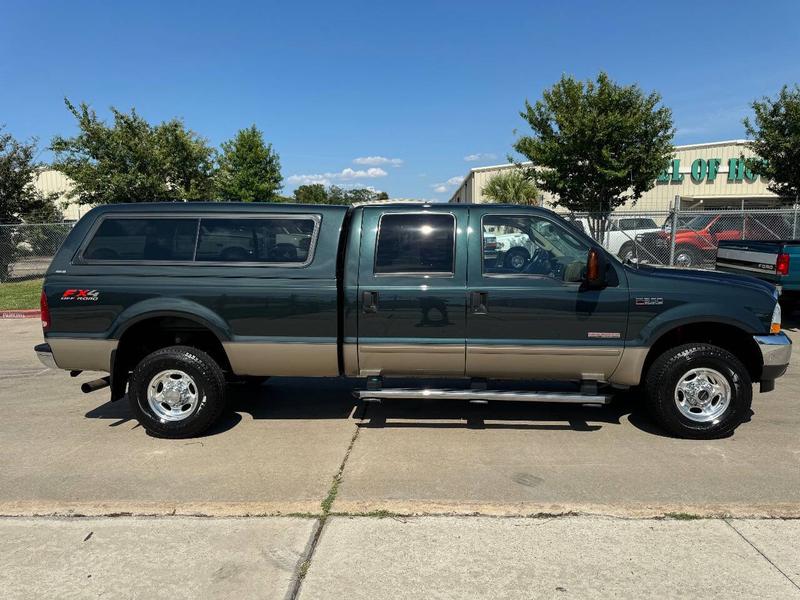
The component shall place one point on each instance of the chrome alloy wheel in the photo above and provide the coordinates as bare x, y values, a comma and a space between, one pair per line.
683, 259
517, 261
172, 395
702, 395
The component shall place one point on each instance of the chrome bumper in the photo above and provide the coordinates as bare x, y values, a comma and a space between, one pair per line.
776, 349
45, 355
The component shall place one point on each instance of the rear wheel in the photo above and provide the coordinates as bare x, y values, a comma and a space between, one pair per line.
177, 392
699, 391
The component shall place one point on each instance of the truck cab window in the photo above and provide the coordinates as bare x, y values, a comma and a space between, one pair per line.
531, 245
145, 239
415, 243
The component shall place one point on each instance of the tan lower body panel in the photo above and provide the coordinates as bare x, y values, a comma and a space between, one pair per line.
350, 358
629, 371
283, 358
411, 360
82, 354
545, 362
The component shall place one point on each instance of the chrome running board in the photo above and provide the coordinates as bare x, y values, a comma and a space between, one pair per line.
480, 395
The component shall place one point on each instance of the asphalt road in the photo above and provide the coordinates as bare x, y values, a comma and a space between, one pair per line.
289, 445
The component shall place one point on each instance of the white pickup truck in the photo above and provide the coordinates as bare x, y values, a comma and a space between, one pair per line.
620, 234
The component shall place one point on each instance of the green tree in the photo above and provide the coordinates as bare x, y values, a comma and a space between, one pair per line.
511, 186
132, 160
337, 195
775, 131
596, 145
249, 169
314, 193
21, 201
19, 198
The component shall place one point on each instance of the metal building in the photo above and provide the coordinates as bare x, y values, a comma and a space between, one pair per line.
705, 176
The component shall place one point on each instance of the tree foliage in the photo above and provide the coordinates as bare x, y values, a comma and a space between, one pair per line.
21, 201
132, 160
19, 198
775, 131
316, 193
249, 169
595, 144
511, 186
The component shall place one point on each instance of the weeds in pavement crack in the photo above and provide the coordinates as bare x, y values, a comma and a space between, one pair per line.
326, 506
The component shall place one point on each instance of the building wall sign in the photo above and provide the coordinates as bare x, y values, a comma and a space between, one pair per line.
705, 170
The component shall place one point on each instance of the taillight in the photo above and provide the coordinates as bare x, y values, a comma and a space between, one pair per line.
782, 266
45, 311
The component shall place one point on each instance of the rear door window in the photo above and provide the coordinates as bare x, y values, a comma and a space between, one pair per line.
418, 243
145, 239
286, 241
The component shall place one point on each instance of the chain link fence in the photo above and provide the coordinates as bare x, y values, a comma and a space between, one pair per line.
684, 238
27, 249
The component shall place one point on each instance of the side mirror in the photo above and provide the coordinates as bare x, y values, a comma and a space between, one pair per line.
596, 268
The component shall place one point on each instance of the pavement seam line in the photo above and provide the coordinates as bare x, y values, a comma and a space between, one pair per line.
305, 563
754, 547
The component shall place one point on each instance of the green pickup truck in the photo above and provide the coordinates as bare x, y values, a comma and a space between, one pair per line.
175, 300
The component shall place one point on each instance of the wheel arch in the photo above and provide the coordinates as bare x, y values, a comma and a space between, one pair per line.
734, 338
147, 329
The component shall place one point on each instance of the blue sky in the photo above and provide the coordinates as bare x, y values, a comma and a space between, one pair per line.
423, 85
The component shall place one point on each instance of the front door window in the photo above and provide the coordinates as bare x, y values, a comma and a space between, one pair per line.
532, 246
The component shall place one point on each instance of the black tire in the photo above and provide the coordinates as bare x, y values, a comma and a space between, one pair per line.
667, 370
516, 259
627, 251
686, 256
204, 374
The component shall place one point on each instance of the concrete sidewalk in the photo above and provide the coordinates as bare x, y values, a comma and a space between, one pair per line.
566, 557
398, 557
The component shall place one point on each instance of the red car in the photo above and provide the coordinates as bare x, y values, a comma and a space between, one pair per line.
696, 242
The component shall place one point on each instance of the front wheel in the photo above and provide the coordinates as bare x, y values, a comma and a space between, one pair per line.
177, 392
686, 257
699, 391
516, 259
627, 252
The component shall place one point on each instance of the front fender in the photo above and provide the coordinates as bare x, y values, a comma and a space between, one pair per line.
170, 307
698, 312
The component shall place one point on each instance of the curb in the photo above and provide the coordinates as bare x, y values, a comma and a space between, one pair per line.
21, 314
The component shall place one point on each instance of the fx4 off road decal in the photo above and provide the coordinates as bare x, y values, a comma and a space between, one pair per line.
81, 295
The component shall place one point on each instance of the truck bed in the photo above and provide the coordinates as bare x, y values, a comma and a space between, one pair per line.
776, 261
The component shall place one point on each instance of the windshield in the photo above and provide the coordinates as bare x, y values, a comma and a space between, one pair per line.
699, 222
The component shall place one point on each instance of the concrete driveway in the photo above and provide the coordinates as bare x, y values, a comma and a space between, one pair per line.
277, 452
300, 457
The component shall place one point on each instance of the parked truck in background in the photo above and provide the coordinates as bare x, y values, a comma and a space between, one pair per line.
775, 261
174, 300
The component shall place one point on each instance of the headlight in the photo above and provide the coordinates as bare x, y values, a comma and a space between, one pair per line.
775, 325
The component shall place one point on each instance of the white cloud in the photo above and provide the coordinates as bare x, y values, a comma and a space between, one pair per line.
441, 188
346, 174
308, 179
378, 160
479, 156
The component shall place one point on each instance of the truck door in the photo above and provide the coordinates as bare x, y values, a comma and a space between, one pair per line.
412, 292
528, 314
